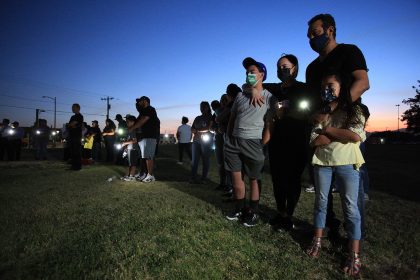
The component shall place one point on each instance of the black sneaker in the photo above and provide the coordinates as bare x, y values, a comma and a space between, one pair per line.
234, 216
285, 224
250, 220
220, 187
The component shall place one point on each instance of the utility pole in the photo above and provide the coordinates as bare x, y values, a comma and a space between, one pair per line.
108, 106
55, 109
398, 118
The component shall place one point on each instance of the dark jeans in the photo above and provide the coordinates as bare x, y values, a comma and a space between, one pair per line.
96, 151
287, 163
201, 150
110, 149
224, 175
41, 148
76, 153
184, 147
14, 148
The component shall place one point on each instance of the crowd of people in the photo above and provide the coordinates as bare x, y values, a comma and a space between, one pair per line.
319, 124
134, 141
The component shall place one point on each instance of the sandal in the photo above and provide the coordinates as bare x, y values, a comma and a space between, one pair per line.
353, 265
315, 248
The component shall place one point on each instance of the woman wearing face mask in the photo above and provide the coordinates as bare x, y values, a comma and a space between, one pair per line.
337, 139
288, 147
202, 142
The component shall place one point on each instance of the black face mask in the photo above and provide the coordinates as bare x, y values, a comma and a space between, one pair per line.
284, 74
318, 43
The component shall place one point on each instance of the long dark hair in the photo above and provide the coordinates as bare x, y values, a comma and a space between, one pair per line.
205, 105
345, 103
110, 124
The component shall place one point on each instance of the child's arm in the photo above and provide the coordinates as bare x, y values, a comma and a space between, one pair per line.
340, 134
320, 140
131, 141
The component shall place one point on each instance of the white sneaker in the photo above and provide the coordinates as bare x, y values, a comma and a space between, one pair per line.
180, 162
140, 177
129, 178
310, 189
124, 177
149, 178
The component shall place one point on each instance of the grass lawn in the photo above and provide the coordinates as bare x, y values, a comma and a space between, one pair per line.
57, 224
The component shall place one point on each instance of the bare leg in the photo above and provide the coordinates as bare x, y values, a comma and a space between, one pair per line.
238, 185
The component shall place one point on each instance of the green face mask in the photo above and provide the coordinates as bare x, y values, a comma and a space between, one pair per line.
251, 79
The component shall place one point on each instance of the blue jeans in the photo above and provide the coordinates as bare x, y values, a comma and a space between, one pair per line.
363, 188
201, 150
347, 180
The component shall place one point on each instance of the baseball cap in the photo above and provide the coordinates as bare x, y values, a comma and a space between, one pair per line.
128, 116
95, 121
143, 98
118, 116
250, 61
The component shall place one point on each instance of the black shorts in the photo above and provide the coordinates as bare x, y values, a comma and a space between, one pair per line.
244, 155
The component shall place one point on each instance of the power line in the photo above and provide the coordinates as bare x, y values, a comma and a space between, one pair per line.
40, 84
63, 112
43, 101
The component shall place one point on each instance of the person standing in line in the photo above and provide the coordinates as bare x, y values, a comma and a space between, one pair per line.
184, 137
149, 122
219, 142
131, 147
346, 59
289, 145
41, 137
97, 139
75, 137
202, 143
109, 138
337, 138
232, 91
3, 137
16, 134
121, 135
249, 129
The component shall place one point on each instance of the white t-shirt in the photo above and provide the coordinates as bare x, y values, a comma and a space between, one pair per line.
184, 132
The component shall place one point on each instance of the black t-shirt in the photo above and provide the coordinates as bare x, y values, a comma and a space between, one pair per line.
294, 126
344, 59
98, 135
148, 130
108, 129
76, 131
122, 124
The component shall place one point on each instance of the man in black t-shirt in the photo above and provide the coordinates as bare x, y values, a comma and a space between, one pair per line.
75, 137
148, 122
345, 59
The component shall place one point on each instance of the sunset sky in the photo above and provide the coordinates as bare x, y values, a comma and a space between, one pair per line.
180, 53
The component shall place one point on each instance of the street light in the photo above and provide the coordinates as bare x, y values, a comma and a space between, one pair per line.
398, 117
55, 108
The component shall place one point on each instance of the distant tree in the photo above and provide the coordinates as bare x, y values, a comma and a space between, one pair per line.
412, 115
